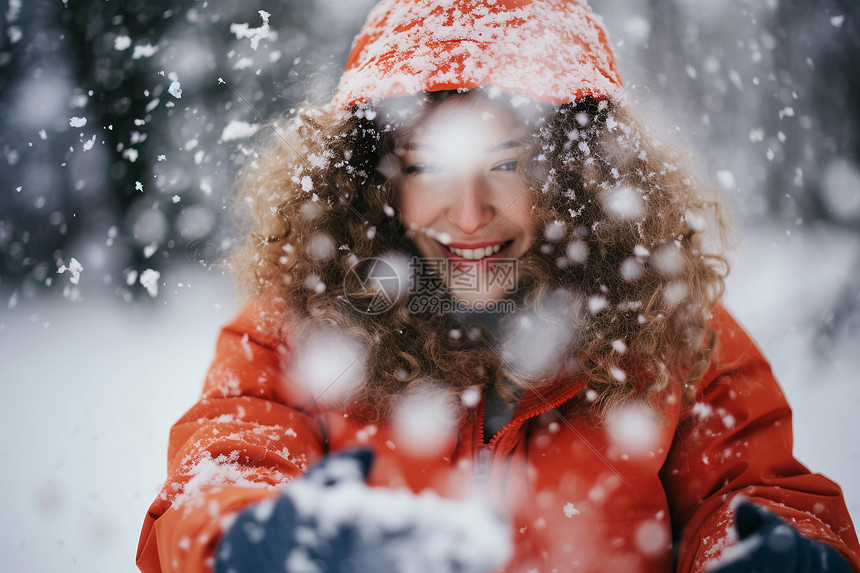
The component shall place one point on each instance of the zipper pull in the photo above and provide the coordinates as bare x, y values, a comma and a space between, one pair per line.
482, 466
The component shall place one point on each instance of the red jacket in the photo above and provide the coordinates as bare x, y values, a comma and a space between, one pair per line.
579, 499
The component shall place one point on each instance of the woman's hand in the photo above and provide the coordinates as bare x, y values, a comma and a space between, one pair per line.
767, 544
330, 521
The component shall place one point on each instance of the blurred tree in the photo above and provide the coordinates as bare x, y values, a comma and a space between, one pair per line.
815, 109
106, 162
819, 180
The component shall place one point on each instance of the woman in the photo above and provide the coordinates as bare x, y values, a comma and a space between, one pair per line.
481, 287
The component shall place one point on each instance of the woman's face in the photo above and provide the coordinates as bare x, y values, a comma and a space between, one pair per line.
464, 197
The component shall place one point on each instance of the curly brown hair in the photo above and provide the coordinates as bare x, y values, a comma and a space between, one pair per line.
628, 252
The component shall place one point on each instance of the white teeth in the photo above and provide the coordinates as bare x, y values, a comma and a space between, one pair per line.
477, 254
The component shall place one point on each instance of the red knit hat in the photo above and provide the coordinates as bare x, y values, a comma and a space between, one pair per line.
550, 50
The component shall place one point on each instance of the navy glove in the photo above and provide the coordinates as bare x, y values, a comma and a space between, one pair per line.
268, 536
767, 544
330, 521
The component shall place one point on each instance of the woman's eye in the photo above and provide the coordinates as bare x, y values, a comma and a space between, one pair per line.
421, 169
507, 165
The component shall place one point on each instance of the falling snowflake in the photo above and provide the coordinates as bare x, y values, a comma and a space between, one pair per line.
74, 268
175, 90
149, 281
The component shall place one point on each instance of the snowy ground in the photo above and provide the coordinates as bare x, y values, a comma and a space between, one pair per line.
91, 388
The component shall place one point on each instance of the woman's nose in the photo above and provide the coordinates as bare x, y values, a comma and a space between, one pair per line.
471, 209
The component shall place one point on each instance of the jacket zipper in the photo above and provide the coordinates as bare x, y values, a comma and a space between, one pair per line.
483, 454
483, 457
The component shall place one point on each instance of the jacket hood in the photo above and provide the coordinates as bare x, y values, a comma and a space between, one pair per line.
555, 51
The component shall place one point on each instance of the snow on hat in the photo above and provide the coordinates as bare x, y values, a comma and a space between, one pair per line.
555, 51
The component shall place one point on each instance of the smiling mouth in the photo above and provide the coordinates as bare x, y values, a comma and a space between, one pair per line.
478, 253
